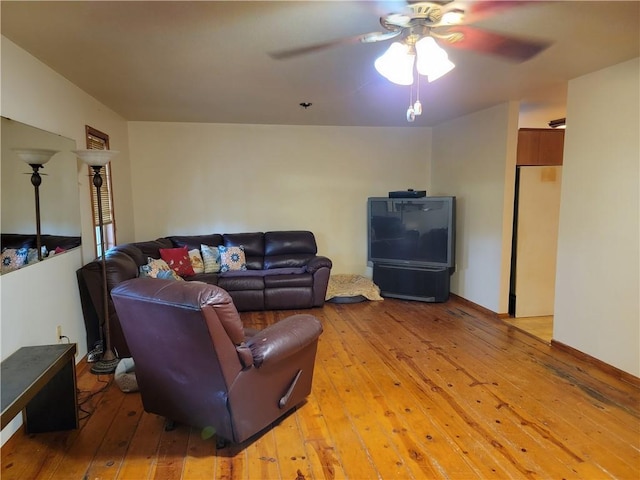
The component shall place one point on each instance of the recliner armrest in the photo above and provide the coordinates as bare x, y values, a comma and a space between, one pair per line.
317, 263
282, 339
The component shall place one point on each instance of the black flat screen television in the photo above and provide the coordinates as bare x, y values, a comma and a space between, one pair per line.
412, 232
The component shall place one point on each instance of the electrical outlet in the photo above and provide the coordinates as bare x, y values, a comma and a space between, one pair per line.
59, 333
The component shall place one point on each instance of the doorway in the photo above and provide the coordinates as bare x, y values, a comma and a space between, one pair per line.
535, 235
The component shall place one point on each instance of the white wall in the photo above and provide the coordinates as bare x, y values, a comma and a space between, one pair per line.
538, 108
473, 158
206, 178
34, 301
597, 295
34, 94
38, 298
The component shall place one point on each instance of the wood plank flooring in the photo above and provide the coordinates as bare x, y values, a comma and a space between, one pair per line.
402, 389
540, 327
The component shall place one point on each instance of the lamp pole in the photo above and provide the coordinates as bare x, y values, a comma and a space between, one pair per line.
108, 362
97, 159
36, 181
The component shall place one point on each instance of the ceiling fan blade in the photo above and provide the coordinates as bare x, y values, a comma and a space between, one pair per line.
480, 10
364, 38
511, 48
378, 36
317, 47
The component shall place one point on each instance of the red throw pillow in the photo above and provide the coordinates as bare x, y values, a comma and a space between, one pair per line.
178, 260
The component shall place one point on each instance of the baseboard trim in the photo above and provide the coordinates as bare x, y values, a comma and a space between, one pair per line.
609, 369
475, 306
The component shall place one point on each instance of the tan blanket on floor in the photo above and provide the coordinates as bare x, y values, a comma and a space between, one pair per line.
347, 285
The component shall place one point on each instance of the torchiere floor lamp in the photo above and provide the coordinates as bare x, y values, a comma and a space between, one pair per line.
36, 158
97, 159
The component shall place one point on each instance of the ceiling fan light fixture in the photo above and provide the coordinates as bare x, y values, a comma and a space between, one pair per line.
433, 61
452, 17
396, 64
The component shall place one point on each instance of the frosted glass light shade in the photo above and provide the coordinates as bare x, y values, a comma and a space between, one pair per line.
433, 61
96, 158
396, 64
35, 156
453, 17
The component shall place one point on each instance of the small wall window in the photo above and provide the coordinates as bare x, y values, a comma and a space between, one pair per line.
100, 141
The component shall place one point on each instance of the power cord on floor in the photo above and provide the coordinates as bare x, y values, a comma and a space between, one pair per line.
90, 395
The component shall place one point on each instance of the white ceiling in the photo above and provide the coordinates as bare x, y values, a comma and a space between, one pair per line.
208, 61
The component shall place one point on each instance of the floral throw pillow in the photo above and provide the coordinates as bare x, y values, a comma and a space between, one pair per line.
178, 260
211, 258
232, 258
197, 263
158, 268
13, 258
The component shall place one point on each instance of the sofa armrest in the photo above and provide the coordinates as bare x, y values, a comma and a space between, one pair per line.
282, 339
317, 263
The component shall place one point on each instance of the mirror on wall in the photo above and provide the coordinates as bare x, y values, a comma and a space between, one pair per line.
58, 196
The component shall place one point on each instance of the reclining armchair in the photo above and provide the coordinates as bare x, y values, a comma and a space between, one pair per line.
195, 364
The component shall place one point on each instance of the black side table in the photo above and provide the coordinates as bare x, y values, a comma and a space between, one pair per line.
41, 381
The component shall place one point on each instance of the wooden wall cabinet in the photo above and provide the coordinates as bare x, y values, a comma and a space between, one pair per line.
540, 146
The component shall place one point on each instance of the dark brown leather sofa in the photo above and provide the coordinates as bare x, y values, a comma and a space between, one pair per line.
51, 242
194, 364
283, 272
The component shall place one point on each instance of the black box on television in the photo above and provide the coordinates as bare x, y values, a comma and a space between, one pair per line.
408, 194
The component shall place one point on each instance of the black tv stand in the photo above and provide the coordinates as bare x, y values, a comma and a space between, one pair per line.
425, 284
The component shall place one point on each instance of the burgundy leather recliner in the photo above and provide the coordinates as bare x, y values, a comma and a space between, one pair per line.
194, 364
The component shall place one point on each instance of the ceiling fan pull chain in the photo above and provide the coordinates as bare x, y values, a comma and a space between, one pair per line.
417, 107
411, 114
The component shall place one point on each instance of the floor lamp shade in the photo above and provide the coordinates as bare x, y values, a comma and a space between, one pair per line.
96, 158
36, 158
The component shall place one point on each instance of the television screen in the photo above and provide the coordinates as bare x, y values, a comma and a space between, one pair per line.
418, 232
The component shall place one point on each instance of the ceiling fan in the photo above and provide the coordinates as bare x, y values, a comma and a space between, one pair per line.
448, 23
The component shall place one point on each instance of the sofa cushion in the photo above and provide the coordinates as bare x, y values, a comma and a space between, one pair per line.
288, 298
17, 240
233, 281
152, 248
282, 281
52, 242
253, 244
287, 261
210, 278
248, 300
287, 249
120, 267
232, 258
194, 241
289, 242
131, 251
178, 260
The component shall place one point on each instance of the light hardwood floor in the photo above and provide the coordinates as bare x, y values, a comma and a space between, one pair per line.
402, 390
540, 327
